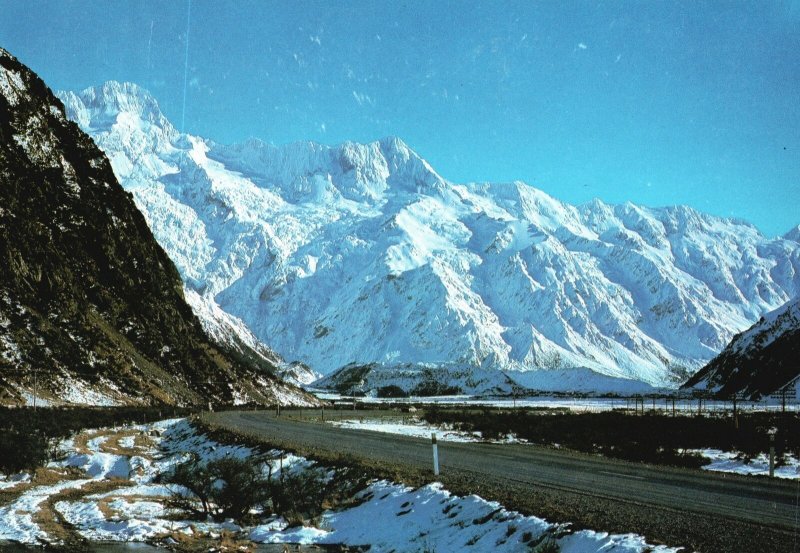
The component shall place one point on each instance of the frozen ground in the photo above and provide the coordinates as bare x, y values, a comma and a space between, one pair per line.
728, 461
105, 489
431, 519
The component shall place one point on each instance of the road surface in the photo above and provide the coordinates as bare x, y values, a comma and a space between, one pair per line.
769, 503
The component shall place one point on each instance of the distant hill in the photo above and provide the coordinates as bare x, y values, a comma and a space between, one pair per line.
91, 307
758, 361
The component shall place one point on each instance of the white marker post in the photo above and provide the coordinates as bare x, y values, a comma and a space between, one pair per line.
772, 431
435, 454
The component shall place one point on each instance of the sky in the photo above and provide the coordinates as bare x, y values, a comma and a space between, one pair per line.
659, 103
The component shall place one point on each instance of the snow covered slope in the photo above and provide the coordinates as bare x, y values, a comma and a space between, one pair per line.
364, 253
91, 307
758, 361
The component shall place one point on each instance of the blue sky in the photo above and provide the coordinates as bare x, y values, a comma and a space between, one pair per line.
660, 103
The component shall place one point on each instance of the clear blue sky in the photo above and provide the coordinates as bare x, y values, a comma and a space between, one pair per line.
660, 103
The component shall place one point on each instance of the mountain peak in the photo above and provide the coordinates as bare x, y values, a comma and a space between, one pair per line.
99, 107
793, 234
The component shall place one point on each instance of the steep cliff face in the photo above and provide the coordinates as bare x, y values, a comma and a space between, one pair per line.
91, 307
363, 253
760, 360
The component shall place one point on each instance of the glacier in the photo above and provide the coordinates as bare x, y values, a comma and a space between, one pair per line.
363, 253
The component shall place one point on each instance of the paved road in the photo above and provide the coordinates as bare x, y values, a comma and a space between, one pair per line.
772, 503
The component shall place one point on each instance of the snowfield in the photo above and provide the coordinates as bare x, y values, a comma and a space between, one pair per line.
414, 428
110, 474
315, 247
731, 461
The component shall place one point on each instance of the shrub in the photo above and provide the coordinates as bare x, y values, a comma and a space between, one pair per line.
301, 492
223, 488
22, 451
231, 487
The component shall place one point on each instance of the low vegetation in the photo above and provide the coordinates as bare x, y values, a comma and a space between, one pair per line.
28, 437
653, 438
245, 489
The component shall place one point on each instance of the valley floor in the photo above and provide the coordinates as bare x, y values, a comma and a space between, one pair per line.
718, 461
105, 489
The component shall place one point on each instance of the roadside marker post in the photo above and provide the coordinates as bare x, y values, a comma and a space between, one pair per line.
772, 431
435, 454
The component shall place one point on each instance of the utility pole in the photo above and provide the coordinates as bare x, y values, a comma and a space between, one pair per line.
735, 414
34, 388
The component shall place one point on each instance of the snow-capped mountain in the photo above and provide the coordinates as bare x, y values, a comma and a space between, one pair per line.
298, 373
91, 307
363, 253
758, 361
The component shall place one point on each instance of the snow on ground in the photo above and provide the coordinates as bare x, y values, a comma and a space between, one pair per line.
731, 461
117, 498
10, 482
431, 519
416, 429
575, 403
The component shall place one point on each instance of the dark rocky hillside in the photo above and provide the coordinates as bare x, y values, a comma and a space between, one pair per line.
90, 305
760, 360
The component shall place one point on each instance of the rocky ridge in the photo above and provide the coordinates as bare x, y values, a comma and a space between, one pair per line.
91, 307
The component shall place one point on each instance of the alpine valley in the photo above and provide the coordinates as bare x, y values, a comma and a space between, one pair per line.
362, 261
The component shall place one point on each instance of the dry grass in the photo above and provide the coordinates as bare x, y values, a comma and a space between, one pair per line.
81, 440
44, 476
198, 542
47, 476
142, 442
53, 523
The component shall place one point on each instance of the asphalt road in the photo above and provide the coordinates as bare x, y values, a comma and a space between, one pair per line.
765, 502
